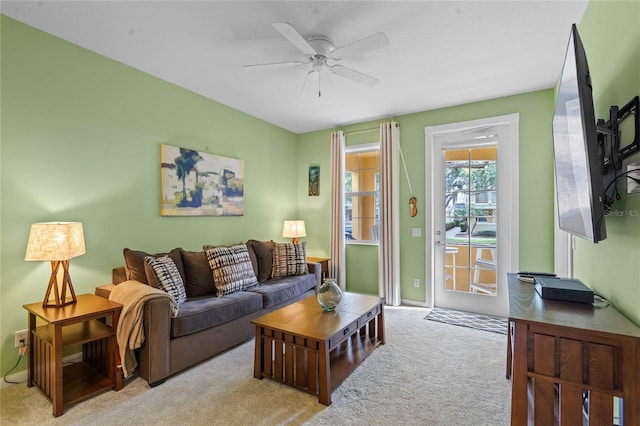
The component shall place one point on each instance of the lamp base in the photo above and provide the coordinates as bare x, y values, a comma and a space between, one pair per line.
60, 294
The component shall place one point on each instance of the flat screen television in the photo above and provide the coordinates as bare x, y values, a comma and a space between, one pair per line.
577, 157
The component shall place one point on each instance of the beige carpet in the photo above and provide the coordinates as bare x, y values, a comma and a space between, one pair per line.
428, 373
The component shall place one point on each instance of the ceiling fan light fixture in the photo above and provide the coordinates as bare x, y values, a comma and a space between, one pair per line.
318, 63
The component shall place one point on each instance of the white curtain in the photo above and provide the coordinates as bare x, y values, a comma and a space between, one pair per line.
389, 244
337, 264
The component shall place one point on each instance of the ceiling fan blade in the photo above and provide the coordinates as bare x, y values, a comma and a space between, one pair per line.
367, 44
354, 75
274, 65
294, 37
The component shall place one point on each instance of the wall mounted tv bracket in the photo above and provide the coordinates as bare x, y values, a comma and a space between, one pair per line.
609, 135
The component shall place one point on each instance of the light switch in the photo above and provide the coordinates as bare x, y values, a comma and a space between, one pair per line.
416, 232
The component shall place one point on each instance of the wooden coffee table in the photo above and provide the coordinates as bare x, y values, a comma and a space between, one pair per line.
314, 351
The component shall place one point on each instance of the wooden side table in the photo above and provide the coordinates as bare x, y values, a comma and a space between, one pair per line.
322, 261
91, 322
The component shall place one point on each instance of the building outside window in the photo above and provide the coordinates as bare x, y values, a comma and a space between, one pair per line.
362, 193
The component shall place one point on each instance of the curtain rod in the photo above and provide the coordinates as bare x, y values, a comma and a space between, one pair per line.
361, 131
365, 130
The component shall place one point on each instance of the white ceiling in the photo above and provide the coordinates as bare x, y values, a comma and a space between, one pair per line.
441, 53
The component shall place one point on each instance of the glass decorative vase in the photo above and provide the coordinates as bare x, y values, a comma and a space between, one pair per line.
329, 294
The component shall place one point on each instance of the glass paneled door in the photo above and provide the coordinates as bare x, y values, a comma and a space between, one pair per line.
472, 232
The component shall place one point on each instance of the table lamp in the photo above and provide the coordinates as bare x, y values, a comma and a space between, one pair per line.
294, 229
57, 242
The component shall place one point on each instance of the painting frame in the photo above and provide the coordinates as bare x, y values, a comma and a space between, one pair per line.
197, 183
314, 180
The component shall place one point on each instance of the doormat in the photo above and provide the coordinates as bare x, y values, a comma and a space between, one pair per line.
470, 320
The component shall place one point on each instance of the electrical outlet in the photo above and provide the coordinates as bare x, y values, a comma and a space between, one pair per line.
416, 282
21, 335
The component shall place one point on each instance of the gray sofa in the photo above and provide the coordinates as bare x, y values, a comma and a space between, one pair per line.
206, 324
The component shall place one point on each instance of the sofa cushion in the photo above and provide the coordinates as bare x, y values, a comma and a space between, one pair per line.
197, 273
261, 253
289, 259
231, 267
135, 265
204, 312
168, 277
280, 290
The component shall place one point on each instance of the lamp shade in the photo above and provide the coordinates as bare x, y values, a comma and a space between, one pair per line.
294, 229
55, 241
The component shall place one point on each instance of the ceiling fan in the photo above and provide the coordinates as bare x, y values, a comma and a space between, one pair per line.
319, 50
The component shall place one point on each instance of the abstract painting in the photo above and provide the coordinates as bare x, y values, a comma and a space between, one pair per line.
196, 183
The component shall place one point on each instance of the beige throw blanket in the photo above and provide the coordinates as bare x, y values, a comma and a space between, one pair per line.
130, 333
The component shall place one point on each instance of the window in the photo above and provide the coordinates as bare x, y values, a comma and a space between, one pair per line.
362, 193
471, 219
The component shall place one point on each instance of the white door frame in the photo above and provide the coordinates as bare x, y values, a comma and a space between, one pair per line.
508, 208
563, 246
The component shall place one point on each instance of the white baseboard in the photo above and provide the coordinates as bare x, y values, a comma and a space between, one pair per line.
415, 303
20, 377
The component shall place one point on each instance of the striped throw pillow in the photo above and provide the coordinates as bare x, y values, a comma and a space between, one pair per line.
289, 259
231, 267
168, 277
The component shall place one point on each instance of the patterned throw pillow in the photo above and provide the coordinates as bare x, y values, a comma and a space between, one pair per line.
231, 266
289, 259
168, 277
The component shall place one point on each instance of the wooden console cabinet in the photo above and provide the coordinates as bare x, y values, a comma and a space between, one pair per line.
556, 350
92, 323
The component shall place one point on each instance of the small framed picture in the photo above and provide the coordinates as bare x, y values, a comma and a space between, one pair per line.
314, 180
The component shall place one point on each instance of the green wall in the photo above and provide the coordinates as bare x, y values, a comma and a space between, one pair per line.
536, 187
611, 36
316, 210
80, 141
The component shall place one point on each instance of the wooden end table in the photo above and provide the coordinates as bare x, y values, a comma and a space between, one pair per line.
91, 322
324, 262
314, 351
